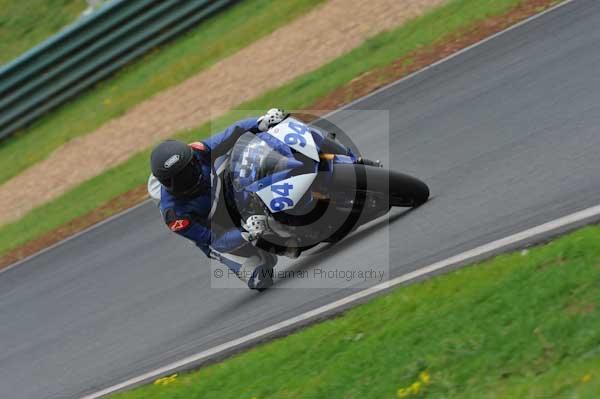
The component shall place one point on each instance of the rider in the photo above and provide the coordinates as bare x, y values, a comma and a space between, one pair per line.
181, 182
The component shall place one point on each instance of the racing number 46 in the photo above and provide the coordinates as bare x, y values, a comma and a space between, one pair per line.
279, 203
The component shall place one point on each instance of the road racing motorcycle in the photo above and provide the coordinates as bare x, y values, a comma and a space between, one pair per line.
310, 187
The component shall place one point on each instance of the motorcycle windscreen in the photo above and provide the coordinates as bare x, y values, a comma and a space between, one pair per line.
253, 159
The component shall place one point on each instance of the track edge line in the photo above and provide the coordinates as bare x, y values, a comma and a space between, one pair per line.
484, 249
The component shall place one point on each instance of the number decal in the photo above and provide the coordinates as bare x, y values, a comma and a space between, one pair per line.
279, 203
282, 189
293, 139
286, 194
298, 128
296, 138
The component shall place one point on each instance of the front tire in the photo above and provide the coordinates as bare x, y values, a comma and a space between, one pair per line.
407, 191
400, 189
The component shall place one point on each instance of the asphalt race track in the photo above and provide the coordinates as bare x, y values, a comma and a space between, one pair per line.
507, 135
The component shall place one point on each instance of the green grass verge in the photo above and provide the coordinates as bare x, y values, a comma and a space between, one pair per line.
376, 52
26, 23
213, 40
523, 325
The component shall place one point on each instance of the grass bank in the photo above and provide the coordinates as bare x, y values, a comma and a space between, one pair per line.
213, 40
26, 23
523, 325
421, 33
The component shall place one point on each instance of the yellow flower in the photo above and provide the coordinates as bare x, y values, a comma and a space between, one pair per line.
415, 387
425, 377
166, 380
586, 378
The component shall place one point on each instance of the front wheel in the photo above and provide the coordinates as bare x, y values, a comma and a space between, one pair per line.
407, 191
401, 190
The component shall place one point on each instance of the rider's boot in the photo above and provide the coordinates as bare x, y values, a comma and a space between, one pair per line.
254, 269
257, 271
262, 278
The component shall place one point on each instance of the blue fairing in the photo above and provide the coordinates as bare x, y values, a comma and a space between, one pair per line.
257, 161
286, 159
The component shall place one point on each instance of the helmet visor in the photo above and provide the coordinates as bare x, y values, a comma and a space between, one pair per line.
188, 181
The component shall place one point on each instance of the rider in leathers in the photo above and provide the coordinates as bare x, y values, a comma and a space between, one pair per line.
187, 184
181, 182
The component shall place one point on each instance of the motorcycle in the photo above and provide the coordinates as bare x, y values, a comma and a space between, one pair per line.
310, 188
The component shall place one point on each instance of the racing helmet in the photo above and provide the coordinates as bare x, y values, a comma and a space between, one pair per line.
174, 165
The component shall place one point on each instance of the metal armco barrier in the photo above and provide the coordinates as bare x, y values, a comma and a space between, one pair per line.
88, 51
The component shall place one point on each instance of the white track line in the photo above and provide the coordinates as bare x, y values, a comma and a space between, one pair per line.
451, 56
342, 303
82, 232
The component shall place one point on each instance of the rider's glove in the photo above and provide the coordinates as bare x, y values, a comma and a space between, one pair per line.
255, 227
271, 118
